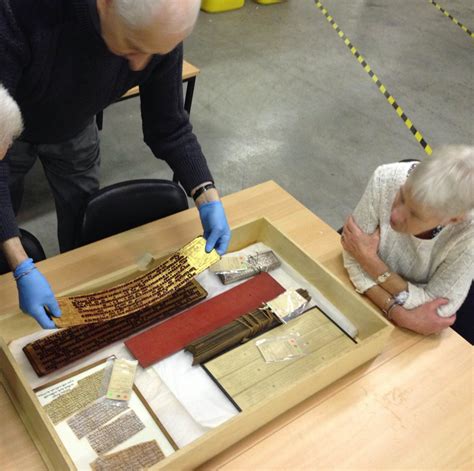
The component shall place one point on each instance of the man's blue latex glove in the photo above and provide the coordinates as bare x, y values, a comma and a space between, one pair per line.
35, 294
216, 228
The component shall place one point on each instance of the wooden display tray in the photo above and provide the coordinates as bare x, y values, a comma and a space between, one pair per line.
374, 332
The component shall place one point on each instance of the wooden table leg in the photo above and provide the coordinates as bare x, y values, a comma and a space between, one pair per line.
188, 100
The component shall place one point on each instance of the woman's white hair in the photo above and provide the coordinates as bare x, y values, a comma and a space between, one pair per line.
11, 122
444, 182
179, 15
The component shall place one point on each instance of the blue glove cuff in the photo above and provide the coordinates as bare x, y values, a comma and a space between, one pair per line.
24, 268
210, 203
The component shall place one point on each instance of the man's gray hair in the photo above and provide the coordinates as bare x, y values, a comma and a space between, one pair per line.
444, 182
180, 14
11, 122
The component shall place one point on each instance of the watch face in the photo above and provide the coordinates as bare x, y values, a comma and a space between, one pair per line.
383, 277
402, 297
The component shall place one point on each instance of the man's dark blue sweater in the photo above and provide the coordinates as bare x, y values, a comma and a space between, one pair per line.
56, 66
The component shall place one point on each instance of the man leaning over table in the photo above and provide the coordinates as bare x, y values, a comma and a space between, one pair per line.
63, 61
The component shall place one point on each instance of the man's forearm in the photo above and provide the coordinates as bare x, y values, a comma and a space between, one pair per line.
14, 252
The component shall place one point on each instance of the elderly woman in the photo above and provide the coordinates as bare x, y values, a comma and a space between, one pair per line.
409, 246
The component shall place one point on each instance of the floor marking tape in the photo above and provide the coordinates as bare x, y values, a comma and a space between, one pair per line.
451, 17
360, 58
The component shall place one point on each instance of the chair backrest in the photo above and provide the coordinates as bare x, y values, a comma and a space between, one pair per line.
123, 206
32, 248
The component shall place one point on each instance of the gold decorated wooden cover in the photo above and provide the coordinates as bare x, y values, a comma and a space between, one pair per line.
144, 291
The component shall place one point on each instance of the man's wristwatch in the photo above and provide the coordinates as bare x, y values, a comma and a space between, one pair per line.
202, 189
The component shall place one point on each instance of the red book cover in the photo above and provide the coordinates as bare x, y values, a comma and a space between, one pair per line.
174, 334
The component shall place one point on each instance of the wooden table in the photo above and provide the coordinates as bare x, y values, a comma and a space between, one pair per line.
409, 408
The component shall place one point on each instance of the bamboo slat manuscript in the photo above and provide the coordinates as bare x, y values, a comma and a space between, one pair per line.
239, 331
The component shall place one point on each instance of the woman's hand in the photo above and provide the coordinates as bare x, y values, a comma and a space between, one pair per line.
363, 247
424, 319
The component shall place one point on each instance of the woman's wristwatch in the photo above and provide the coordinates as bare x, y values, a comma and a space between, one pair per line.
383, 277
401, 297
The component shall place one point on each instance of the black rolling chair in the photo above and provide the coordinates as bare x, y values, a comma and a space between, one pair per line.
123, 206
32, 248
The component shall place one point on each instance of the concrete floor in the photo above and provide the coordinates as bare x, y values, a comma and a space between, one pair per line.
281, 97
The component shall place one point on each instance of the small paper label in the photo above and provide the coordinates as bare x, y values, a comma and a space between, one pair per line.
52, 393
121, 380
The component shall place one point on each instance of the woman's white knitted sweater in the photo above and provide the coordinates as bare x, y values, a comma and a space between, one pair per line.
440, 267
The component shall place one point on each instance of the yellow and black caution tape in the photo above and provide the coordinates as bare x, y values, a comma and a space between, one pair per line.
376, 80
451, 17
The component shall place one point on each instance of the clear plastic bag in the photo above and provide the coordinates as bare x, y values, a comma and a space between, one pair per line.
282, 348
235, 268
119, 376
288, 305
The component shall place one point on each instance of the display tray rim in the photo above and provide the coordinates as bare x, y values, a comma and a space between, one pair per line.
217, 440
